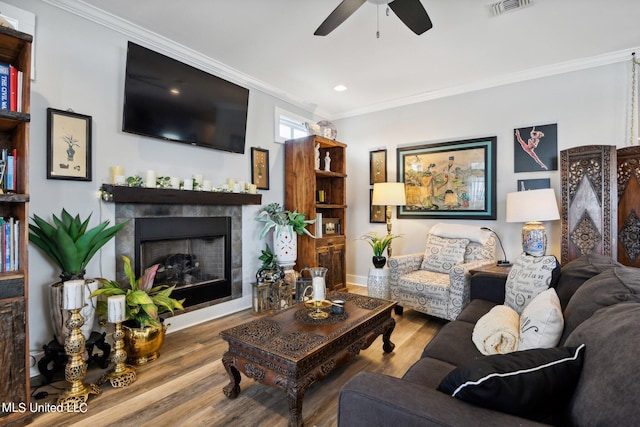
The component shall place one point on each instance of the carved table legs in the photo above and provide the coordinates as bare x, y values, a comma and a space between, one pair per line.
231, 390
387, 345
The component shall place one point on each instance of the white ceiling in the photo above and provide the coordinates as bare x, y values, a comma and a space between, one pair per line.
272, 42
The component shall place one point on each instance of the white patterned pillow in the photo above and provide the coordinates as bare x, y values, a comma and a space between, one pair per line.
528, 277
541, 322
443, 253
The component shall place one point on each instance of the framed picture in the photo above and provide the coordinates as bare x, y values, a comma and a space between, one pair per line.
533, 184
377, 166
452, 180
376, 213
330, 226
260, 168
535, 148
68, 145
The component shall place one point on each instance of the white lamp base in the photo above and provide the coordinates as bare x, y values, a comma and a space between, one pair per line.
534, 239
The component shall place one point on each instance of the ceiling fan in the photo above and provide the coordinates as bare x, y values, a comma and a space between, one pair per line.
411, 12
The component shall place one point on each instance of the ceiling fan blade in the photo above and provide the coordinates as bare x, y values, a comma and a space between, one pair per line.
412, 13
338, 16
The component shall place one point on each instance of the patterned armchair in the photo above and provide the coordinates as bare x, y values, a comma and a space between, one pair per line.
436, 282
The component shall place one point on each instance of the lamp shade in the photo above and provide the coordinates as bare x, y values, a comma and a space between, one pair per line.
532, 205
388, 194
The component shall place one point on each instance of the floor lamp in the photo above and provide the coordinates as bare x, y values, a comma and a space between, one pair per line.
532, 207
388, 194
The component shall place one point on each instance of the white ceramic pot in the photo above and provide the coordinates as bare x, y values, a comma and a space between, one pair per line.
285, 246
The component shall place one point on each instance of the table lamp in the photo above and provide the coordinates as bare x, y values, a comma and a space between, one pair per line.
532, 207
388, 194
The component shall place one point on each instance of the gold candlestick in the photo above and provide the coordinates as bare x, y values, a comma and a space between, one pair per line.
122, 374
76, 368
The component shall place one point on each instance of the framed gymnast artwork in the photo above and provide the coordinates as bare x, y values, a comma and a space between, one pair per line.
452, 180
535, 148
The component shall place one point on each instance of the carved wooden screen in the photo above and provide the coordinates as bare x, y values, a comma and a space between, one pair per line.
589, 201
629, 206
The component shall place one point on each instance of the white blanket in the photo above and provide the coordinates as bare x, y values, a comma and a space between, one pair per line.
497, 332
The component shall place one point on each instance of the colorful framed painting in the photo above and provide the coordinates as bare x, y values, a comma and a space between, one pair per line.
68, 145
533, 184
449, 180
260, 168
376, 213
377, 166
535, 148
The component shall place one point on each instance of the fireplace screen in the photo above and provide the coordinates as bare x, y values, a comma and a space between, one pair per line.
185, 262
194, 254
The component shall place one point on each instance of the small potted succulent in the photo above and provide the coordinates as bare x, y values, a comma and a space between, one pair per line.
378, 244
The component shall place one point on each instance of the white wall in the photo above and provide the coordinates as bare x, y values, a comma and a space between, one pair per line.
81, 65
589, 106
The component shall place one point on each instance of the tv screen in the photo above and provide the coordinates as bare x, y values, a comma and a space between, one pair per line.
167, 99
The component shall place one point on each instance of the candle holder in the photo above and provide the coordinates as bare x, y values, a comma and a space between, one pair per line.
122, 374
76, 368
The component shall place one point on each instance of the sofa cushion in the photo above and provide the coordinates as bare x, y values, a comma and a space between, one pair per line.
612, 286
442, 253
477, 251
531, 383
497, 331
528, 277
608, 388
452, 344
475, 310
541, 322
428, 372
579, 270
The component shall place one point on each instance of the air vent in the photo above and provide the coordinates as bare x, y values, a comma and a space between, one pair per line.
503, 6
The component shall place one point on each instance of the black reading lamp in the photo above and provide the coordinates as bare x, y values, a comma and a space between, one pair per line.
503, 262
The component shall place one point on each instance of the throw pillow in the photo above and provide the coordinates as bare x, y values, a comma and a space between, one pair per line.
541, 322
532, 383
529, 276
497, 331
443, 253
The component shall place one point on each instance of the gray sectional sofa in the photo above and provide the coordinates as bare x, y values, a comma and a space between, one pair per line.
600, 300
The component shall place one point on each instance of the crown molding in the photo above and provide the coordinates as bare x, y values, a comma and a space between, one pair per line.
197, 59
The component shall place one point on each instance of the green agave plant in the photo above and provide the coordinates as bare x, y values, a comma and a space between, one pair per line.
378, 244
144, 302
68, 242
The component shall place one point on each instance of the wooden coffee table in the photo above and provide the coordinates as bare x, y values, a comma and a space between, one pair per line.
291, 351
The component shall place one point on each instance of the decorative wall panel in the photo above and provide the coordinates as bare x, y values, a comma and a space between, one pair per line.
589, 201
629, 206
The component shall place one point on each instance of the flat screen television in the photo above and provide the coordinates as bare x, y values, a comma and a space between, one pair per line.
167, 99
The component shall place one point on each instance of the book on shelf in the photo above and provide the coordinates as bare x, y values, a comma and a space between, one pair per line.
9, 245
9, 157
10, 87
4, 86
13, 88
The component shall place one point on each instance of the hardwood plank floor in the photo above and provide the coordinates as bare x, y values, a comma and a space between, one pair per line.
184, 385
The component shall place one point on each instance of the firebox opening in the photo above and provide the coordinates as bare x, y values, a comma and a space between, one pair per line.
194, 255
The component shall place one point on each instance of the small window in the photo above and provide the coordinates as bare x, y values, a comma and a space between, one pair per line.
289, 125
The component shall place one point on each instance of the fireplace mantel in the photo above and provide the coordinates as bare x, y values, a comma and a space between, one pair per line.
123, 194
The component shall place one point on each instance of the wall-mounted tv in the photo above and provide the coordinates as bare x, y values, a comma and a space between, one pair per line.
167, 99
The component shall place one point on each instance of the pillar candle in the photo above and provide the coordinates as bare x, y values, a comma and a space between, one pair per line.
188, 184
119, 180
175, 182
318, 288
116, 309
151, 179
253, 188
115, 171
206, 185
73, 294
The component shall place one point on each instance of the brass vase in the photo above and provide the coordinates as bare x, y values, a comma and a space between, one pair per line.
143, 344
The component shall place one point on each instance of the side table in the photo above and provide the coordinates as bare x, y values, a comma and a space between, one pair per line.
493, 269
378, 283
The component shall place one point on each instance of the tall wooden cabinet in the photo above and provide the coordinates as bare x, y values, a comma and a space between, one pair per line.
311, 191
15, 50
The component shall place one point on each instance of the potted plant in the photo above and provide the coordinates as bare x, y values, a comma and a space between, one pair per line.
269, 270
70, 244
378, 245
287, 225
144, 332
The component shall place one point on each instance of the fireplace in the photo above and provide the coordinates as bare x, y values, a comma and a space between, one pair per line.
176, 222
193, 253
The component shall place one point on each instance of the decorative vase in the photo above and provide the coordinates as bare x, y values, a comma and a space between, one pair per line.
142, 344
285, 247
379, 261
59, 315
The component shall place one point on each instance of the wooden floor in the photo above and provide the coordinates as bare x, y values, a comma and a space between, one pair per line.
184, 385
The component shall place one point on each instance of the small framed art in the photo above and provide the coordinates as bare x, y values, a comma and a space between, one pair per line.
377, 166
68, 145
377, 213
260, 168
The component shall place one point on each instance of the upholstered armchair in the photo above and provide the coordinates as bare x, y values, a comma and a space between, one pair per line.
437, 281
